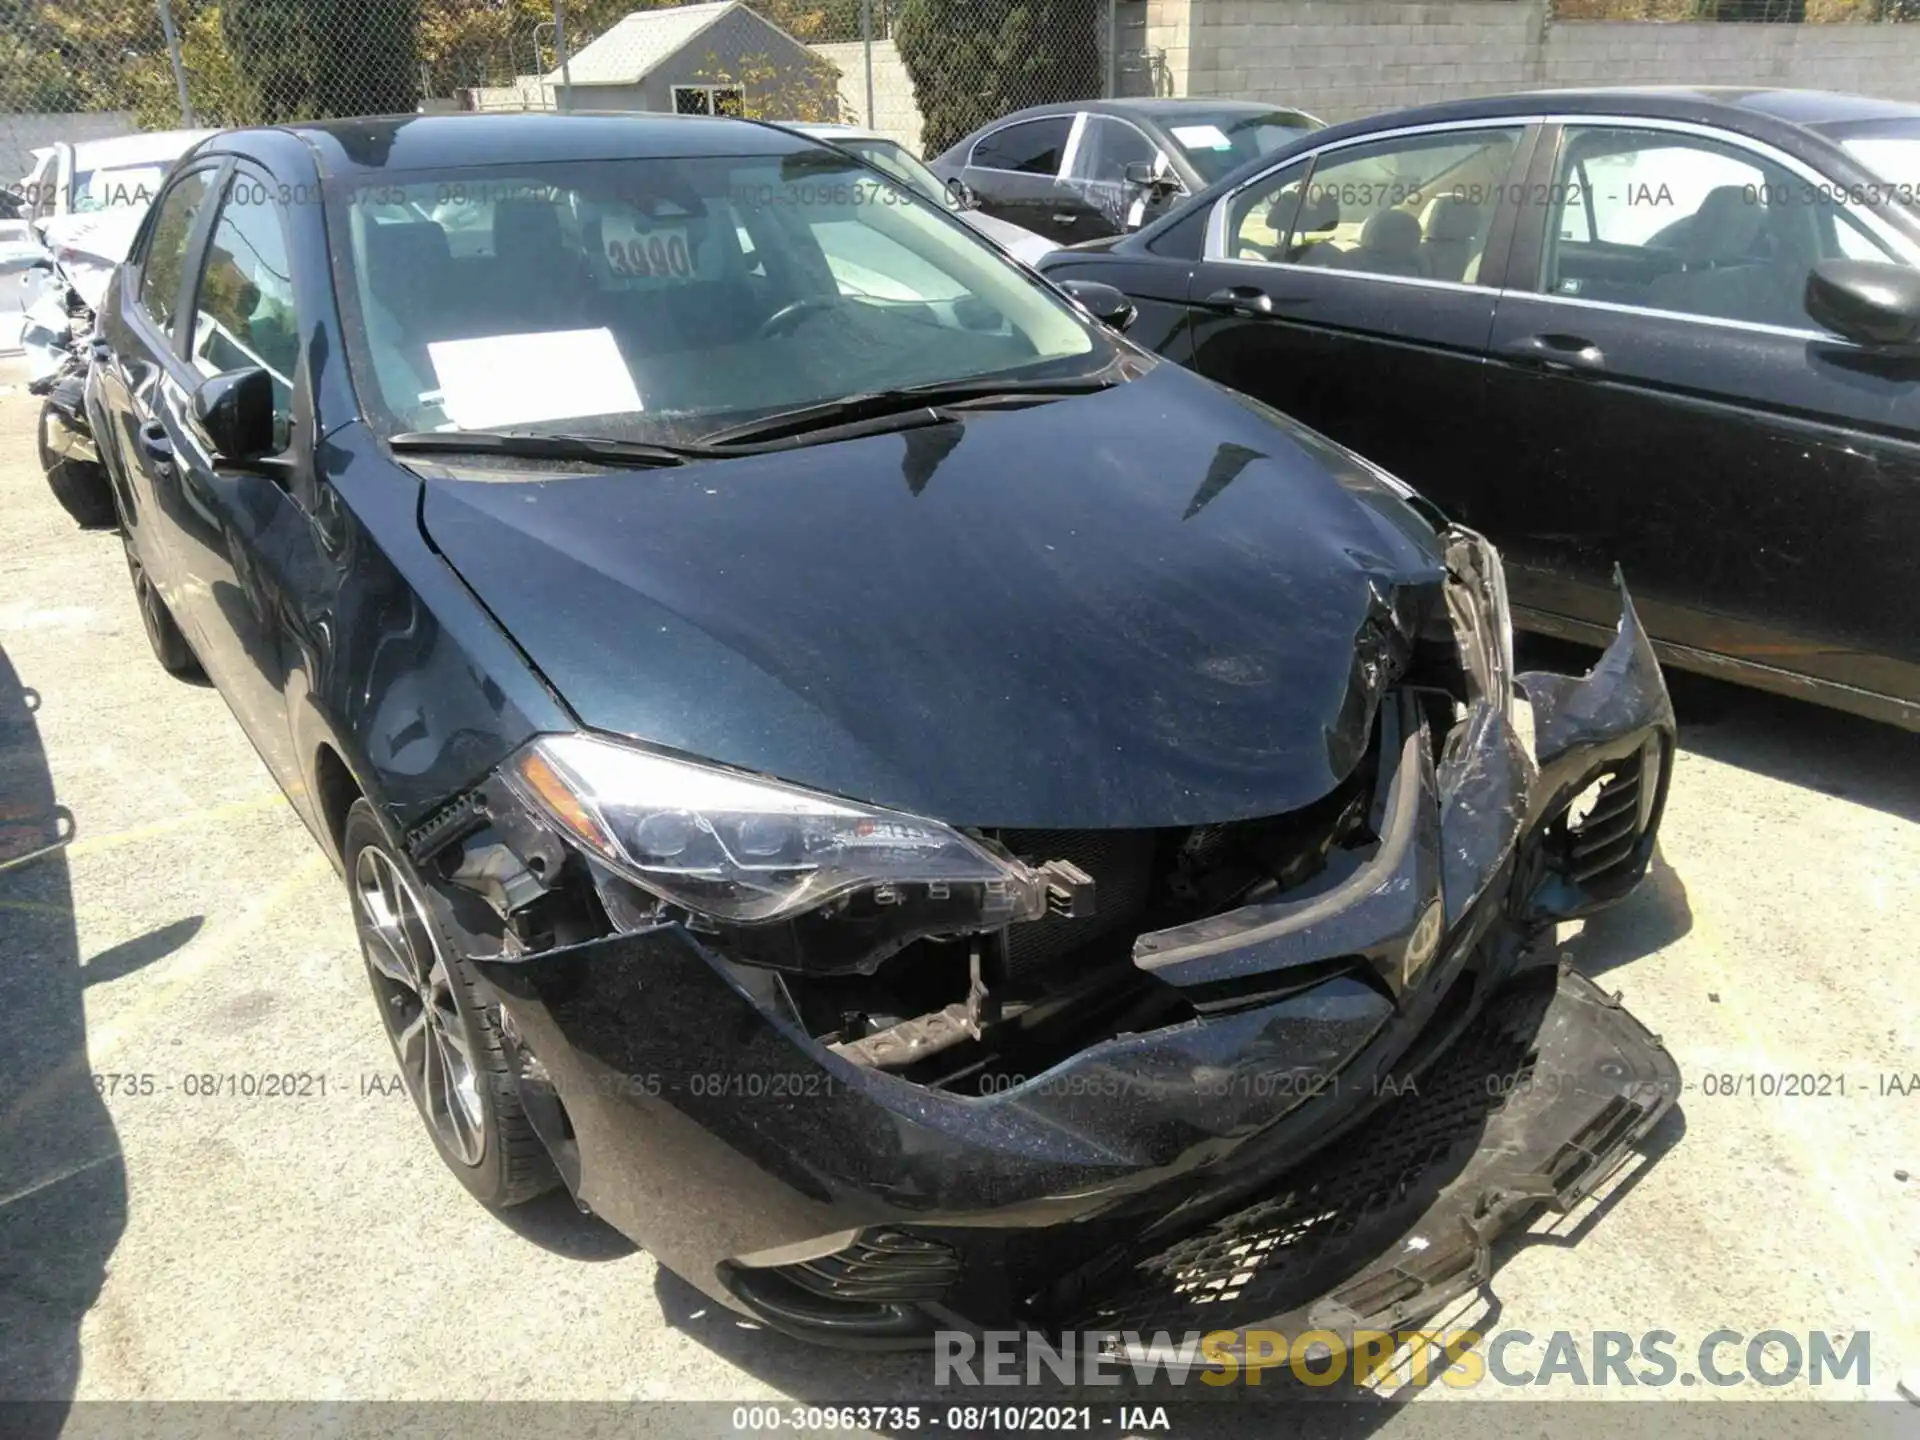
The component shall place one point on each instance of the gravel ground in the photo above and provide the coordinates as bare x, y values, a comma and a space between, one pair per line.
158, 1243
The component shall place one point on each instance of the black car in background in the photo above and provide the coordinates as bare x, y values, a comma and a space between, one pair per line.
905, 803
1674, 330
1080, 171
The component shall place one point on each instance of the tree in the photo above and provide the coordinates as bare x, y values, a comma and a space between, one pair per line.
312, 59
808, 91
972, 61
1791, 12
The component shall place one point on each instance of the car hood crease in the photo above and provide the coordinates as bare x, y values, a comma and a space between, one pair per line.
1131, 609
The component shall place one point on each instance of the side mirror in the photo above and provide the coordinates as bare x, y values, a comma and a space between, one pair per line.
1140, 174
962, 194
1867, 301
1103, 302
235, 409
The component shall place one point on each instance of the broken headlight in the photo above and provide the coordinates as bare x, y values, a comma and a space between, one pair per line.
1482, 622
741, 850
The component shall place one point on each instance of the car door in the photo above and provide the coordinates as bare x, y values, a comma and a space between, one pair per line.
140, 359
1015, 171
1756, 477
1353, 288
239, 532
1097, 172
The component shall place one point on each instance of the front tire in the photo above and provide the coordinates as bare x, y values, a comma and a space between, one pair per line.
444, 1035
81, 486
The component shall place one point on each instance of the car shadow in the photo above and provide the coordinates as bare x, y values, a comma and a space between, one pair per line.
1793, 741
1800, 743
1654, 916
118, 961
63, 1187
554, 1223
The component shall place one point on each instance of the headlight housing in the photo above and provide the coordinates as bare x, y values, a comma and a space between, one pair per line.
742, 850
1482, 622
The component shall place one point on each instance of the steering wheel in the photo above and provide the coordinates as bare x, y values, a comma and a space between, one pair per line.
789, 316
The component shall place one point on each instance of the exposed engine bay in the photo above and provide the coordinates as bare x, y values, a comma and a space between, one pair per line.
972, 986
950, 1014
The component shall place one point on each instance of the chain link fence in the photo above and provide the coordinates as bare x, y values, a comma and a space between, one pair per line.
1778, 12
86, 69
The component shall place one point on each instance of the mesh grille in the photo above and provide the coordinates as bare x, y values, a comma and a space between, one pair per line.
1290, 1247
881, 1266
1121, 864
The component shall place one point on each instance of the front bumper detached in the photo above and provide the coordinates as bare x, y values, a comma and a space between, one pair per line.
846, 1204
1539, 1103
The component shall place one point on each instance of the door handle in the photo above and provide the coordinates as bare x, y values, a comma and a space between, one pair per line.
155, 444
1560, 352
1062, 218
1241, 300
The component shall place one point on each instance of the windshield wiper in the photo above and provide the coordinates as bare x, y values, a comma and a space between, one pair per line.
528, 445
868, 404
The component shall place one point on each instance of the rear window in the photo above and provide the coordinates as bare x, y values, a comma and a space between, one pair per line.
1215, 143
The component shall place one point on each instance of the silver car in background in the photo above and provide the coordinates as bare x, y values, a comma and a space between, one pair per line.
887, 154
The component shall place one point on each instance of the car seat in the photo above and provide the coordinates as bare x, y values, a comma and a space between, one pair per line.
1453, 236
1319, 215
1389, 245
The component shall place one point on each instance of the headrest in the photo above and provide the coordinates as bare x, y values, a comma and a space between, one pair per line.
1453, 217
1724, 228
526, 229
1319, 211
404, 254
1391, 232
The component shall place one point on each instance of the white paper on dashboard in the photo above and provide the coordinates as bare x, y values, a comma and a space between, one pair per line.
496, 380
1202, 137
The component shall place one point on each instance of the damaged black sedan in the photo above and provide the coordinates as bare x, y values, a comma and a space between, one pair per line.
917, 811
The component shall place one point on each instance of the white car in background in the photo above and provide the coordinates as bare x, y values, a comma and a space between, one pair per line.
889, 155
86, 176
83, 202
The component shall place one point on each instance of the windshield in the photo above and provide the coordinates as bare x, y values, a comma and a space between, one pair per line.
1215, 144
113, 189
901, 163
663, 299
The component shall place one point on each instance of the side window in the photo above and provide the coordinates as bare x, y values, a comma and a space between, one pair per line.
1032, 147
164, 265
1260, 217
1108, 146
1680, 222
1416, 206
243, 305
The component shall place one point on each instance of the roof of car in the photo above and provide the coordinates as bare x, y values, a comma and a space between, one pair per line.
1159, 109
834, 131
438, 142
1771, 115
146, 147
1795, 107
1758, 112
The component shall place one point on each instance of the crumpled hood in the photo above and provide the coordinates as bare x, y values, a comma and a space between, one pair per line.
1158, 605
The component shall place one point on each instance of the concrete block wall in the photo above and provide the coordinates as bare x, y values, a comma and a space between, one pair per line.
1882, 60
896, 114
1345, 58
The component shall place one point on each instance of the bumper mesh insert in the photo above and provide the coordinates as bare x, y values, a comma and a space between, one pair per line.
1317, 1227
